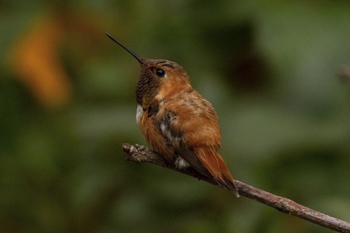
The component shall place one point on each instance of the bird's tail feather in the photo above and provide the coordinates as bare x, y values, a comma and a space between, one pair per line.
216, 166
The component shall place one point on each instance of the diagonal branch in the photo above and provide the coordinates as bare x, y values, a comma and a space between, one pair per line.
142, 154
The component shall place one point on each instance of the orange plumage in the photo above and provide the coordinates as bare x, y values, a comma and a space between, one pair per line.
177, 122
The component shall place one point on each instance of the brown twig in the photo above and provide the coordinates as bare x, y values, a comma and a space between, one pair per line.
142, 154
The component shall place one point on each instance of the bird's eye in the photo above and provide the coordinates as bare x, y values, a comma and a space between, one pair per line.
160, 73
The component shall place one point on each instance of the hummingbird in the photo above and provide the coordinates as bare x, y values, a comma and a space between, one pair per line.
177, 122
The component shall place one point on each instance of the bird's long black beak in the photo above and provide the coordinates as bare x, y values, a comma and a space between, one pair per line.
138, 58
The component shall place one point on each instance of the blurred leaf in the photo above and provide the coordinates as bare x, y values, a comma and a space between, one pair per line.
34, 58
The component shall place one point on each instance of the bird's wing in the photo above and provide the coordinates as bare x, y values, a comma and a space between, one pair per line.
190, 125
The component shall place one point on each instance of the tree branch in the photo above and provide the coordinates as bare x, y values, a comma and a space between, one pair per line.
142, 154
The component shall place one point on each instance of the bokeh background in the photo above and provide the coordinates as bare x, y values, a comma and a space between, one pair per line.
275, 71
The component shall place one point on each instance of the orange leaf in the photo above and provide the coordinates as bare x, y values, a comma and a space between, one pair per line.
35, 60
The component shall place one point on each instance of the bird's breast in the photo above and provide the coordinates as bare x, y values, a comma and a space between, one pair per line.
153, 134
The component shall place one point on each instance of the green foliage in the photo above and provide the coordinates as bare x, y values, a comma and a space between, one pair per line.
268, 67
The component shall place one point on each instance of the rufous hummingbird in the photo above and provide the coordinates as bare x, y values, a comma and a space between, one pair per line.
177, 122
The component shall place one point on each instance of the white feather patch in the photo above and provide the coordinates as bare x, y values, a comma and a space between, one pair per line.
139, 112
181, 163
175, 141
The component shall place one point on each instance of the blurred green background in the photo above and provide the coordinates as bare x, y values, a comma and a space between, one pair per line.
270, 69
